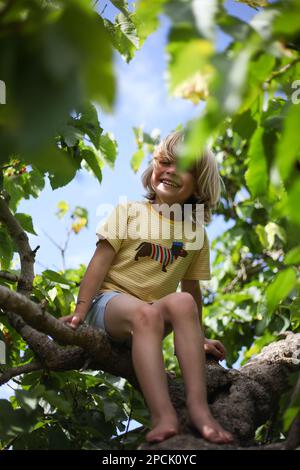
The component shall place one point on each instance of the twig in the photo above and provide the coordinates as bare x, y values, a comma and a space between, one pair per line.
15, 371
51, 239
8, 276
101, 13
129, 419
282, 70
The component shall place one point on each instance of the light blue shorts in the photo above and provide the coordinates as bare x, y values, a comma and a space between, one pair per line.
95, 315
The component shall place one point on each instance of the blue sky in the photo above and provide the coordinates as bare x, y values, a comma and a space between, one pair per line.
141, 100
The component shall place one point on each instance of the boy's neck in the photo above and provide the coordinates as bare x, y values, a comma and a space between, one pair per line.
158, 202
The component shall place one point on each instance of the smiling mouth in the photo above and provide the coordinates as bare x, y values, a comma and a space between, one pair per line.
170, 184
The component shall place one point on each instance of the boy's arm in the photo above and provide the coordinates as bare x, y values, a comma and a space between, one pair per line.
91, 281
193, 287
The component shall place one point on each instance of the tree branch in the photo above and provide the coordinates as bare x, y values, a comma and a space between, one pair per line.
92, 340
8, 276
15, 371
283, 69
27, 256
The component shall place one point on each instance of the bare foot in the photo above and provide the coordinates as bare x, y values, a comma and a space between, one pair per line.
209, 428
163, 429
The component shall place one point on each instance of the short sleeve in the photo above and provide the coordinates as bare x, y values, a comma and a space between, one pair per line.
114, 228
199, 269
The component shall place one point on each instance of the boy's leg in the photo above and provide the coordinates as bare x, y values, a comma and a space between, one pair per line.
181, 311
149, 366
126, 316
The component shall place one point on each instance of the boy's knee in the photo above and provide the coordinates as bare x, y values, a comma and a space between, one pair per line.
181, 303
148, 316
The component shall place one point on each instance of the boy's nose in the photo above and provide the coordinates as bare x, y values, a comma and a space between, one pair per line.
171, 168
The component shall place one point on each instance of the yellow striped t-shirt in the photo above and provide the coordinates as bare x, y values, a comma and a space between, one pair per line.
153, 253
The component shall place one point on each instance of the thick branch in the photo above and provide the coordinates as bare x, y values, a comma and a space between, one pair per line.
20, 238
90, 339
242, 400
49, 353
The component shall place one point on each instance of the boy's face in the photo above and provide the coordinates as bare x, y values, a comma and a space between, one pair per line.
184, 183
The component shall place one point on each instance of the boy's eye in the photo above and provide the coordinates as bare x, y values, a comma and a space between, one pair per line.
164, 162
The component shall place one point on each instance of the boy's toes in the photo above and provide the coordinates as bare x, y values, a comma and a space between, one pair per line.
211, 434
229, 437
161, 435
217, 436
226, 436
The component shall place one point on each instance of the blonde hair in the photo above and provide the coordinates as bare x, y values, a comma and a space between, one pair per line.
204, 169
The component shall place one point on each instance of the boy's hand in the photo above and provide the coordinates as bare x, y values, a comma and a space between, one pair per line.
73, 320
215, 347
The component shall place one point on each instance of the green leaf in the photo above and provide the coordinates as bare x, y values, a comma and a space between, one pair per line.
56, 401
108, 147
110, 409
258, 345
137, 159
287, 22
96, 62
293, 256
289, 416
72, 63
280, 288
293, 202
146, 17
124, 24
268, 233
261, 68
28, 184
94, 162
71, 135
88, 123
14, 422
233, 26
25, 222
295, 310
257, 175
230, 83
27, 400
244, 124
63, 300
56, 277
288, 148
80, 212
263, 23
204, 13
188, 54
120, 40
59, 164
122, 5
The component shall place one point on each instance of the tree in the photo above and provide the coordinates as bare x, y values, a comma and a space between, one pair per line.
56, 67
